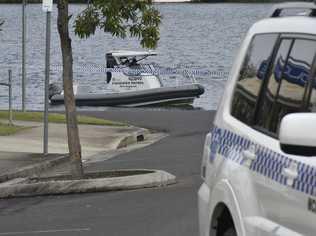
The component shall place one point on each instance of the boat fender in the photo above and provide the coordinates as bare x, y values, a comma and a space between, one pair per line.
53, 89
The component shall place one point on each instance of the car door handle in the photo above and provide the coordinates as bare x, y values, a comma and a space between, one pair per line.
290, 173
249, 155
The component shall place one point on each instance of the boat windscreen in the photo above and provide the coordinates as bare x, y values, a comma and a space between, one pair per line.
131, 59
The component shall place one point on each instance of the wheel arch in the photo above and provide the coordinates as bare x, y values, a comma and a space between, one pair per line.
221, 220
224, 203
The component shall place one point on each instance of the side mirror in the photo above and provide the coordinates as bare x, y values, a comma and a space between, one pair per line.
298, 134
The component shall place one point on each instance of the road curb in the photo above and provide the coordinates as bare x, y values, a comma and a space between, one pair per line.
137, 136
30, 170
26, 187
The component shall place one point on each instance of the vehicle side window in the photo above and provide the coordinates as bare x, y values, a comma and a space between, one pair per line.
251, 77
263, 116
292, 83
312, 102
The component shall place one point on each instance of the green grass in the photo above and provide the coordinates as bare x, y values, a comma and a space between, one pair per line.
6, 130
57, 118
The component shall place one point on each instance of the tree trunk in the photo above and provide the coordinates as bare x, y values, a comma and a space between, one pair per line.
71, 116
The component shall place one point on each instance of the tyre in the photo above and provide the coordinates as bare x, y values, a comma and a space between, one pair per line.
230, 232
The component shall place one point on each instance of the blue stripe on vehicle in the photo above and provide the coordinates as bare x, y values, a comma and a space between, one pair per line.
268, 163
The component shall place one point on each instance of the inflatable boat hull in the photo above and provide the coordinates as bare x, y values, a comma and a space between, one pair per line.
170, 95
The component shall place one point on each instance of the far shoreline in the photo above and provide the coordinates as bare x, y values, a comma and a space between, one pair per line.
14, 2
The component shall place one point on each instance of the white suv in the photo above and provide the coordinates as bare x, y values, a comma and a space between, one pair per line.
259, 161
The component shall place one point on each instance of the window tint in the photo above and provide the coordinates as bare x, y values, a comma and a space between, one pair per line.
312, 104
292, 83
295, 80
251, 77
306, 62
269, 95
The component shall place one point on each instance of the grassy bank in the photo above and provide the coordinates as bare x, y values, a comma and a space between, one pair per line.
58, 118
6, 130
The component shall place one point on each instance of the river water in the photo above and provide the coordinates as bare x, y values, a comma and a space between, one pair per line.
194, 36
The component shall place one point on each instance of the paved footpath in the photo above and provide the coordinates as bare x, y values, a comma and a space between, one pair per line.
94, 138
169, 211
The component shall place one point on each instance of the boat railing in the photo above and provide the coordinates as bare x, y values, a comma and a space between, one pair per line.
151, 68
145, 69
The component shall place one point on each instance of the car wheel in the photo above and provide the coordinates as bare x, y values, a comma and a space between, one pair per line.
230, 232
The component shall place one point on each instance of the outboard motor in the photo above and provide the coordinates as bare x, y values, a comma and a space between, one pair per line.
53, 89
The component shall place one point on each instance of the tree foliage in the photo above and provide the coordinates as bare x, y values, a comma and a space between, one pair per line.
121, 18
137, 18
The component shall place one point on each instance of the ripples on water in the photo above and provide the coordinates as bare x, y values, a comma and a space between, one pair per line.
205, 36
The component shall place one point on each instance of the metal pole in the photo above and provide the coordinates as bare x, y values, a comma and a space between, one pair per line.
10, 97
23, 54
47, 62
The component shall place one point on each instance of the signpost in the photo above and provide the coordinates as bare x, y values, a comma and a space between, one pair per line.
23, 54
47, 7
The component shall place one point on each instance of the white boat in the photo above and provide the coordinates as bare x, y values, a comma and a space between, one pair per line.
132, 84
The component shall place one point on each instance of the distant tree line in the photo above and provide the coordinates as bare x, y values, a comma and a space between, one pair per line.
195, 1
40, 1
240, 1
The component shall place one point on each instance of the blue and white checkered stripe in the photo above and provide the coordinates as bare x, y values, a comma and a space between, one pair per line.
268, 163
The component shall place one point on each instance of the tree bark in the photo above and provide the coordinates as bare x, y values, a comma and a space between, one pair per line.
70, 105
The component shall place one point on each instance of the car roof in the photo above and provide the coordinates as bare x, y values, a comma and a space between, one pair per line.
290, 24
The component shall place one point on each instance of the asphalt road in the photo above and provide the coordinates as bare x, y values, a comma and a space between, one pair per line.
168, 211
